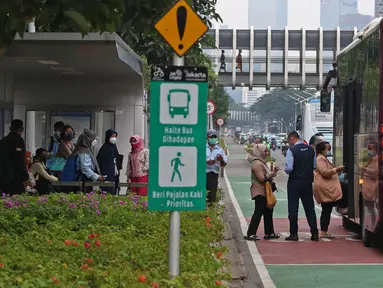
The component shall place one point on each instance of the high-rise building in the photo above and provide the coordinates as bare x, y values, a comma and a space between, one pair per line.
272, 13
349, 21
331, 12
249, 97
378, 8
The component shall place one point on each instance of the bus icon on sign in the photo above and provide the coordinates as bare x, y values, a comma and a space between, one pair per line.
179, 101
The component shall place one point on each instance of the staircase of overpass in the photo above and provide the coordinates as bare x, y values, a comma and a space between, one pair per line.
277, 58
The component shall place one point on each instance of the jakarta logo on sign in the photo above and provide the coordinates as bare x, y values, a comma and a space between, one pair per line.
181, 27
177, 178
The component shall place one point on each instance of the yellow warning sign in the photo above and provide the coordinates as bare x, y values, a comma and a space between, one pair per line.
181, 27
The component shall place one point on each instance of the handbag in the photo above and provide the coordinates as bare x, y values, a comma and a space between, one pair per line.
271, 201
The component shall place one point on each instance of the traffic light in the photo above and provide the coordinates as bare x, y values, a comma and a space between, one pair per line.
325, 101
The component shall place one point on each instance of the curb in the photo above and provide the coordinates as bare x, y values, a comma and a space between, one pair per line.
256, 258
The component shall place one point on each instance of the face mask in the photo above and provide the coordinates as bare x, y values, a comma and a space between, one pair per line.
371, 153
328, 154
213, 141
68, 136
94, 142
113, 140
58, 133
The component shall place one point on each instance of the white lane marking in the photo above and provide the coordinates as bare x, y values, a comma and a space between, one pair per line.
257, 258
329, 264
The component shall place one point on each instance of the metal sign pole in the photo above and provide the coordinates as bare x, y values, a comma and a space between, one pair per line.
175, 220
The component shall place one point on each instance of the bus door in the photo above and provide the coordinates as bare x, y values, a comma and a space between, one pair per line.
348, 147
351, 148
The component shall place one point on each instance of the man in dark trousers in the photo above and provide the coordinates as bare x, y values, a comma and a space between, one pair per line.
215, 159
13, 171
300, 165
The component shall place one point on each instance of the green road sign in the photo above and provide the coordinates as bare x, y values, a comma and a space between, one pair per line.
177, 177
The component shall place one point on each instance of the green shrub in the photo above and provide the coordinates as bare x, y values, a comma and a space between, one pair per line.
97, 240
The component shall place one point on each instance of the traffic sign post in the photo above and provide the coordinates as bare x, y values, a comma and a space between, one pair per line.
210, 111
220, 122
177, 178
178, 139
181, 27
210, 107
177, 146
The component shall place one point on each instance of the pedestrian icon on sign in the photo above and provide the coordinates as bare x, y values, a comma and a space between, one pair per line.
175, 163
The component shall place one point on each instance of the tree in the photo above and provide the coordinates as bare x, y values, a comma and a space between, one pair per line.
218, 95
133, 20
138, 32
273, 106
59, 15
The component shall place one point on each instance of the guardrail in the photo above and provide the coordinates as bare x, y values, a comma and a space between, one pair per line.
83, 185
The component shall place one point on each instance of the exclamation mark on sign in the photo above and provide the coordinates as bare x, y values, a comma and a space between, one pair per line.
181, 23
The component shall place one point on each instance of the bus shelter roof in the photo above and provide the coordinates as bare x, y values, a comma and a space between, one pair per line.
57, 56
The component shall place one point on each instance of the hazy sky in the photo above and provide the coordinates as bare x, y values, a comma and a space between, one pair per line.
234, 13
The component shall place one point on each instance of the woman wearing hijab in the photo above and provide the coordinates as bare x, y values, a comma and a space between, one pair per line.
138, 165
260, 174
86, 161
107, 159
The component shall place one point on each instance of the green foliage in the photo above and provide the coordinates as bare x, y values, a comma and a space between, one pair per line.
99, 240
221, 100
138, 30
133, 20
275, 104
59, 15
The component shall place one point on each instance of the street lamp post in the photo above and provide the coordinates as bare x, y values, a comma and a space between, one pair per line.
297, 101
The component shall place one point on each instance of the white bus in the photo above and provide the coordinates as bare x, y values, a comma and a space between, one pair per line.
314, 121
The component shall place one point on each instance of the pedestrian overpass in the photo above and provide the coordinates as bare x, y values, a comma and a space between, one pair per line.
277, 58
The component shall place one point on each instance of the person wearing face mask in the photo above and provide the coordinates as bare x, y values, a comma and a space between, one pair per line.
327, 189
215, 158
260, 174
54, 143
138, 165
66, 147
300, 165
86, 160
41, 173
370, 176
315, 139
55, 139
107, 160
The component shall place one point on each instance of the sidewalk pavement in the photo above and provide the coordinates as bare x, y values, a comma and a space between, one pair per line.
243, 270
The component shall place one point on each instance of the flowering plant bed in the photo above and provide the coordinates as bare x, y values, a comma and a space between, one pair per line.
98, 240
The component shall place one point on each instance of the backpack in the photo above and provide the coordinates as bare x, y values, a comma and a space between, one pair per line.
69, 172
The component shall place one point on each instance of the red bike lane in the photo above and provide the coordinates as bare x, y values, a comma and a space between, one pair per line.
341, 262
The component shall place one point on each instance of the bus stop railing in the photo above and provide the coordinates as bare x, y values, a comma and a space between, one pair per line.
83, 185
